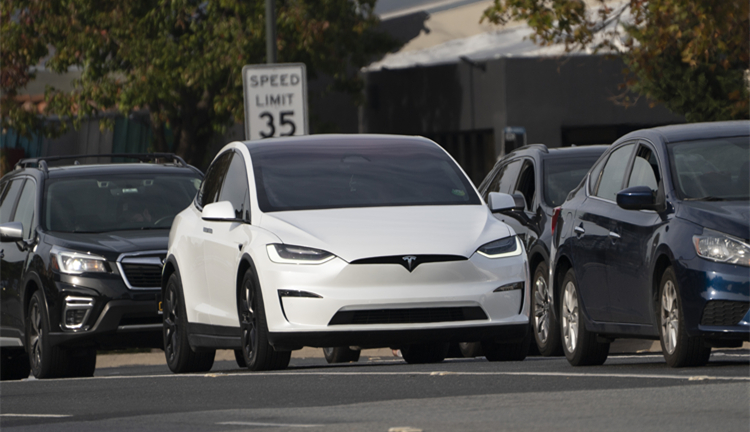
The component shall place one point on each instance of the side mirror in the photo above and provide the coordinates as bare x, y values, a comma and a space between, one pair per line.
637, 198
500, 202
11, 232
221, 211
520, 201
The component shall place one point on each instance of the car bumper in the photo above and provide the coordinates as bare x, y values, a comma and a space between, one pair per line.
386, 305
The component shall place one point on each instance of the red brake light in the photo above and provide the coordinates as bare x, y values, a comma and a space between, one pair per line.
555, 216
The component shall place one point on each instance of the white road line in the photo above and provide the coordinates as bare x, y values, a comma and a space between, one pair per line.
237, 423
420, 373
37, 415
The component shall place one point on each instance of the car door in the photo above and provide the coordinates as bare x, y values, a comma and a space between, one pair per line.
11, 255
593, 229
16, 256
223, 246
630, 252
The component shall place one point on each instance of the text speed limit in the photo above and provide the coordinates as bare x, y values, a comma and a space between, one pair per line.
275, 100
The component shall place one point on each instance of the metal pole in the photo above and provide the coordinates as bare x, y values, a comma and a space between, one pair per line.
270, 32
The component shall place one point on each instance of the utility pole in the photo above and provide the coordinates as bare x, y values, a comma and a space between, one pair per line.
270, 32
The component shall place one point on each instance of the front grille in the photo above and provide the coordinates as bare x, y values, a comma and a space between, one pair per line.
142, 275
408, 316
724, 313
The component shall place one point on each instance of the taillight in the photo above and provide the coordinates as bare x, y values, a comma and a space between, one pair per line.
555, 216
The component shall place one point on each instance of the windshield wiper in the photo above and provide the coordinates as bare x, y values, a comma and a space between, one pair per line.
706, 198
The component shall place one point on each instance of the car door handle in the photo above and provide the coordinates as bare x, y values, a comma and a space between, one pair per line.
579, 229
614, 235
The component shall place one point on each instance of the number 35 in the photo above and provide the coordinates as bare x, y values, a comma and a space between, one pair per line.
283, 121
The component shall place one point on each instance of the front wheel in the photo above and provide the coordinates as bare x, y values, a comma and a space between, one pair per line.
45, 360
425, 353
15, 364
678, 348
517, 351
180, 357
258, 354
342, 354
545, 326
580, 346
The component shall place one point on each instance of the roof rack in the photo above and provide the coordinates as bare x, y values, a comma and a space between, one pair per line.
41, 162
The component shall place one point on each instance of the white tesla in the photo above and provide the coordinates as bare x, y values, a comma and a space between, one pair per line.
350, 241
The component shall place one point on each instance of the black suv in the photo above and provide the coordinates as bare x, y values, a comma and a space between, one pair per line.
82, 251
540, 180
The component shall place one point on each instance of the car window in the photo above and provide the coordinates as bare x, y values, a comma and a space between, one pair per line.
526, 184
215, 175
563, 174
235, 188
613, 173
8, 199
594, 176
507, 180
25, 209
645, 170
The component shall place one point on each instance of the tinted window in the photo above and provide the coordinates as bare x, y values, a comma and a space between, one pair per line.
25, 209
596, 172
645, 170
507, 180
526, 184
235, 188
359, 174
8, 200
209, 193
562, 175
714, 169
613, 174
111, 202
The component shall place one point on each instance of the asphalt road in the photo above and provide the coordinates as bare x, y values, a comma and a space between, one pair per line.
629, 392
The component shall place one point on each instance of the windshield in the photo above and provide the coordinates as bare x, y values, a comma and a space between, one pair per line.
116, 202
562, 175
712, 169
359, 174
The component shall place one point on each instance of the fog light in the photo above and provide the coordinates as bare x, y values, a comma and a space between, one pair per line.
510, 287
75, 312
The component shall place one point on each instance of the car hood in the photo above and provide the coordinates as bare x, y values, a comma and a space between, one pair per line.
729, 217
111, 244
353, 234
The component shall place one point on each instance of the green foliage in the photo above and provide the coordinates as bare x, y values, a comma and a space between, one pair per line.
180, 59
690, 55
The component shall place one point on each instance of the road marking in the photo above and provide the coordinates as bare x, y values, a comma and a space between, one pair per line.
36, 415
237, 423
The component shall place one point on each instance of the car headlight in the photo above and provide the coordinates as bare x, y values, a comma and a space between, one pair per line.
71, 262
719, 247
505, 247
289, 254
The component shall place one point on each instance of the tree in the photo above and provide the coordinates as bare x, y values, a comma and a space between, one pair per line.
690, 55
180, 59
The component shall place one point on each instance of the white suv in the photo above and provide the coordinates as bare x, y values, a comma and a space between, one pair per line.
357, 241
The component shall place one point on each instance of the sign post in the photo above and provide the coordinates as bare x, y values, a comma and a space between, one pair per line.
275, 100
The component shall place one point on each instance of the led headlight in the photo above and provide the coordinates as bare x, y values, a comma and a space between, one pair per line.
289, 254
506, 247
719, 247
70, 262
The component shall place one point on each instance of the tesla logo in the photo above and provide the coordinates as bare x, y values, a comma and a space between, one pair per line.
409, 260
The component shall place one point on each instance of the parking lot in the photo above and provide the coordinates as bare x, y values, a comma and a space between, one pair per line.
631, 391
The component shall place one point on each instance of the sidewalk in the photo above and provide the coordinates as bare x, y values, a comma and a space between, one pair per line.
156, 357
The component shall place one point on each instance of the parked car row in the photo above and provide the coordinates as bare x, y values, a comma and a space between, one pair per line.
351, 242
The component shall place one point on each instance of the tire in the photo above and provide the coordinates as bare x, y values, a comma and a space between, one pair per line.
425, 353
580, 346
180, 357
678, 348
545, 326
471, 349
258, 354
342, 354
45, 360
240, 358
81, 363
15, 364
518, 351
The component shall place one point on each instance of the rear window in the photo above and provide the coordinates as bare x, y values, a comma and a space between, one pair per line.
562, 175
339, 174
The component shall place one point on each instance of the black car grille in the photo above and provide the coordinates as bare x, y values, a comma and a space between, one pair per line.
142, 275
408, 316
724, 313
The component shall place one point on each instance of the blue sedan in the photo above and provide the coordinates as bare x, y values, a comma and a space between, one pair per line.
654, 244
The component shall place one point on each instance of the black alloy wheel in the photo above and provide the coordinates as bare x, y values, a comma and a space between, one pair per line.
45, 360
257, 353
180, 357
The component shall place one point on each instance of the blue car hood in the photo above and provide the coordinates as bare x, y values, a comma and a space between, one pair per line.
729, 217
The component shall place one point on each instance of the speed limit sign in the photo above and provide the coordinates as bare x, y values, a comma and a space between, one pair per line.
275, 100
